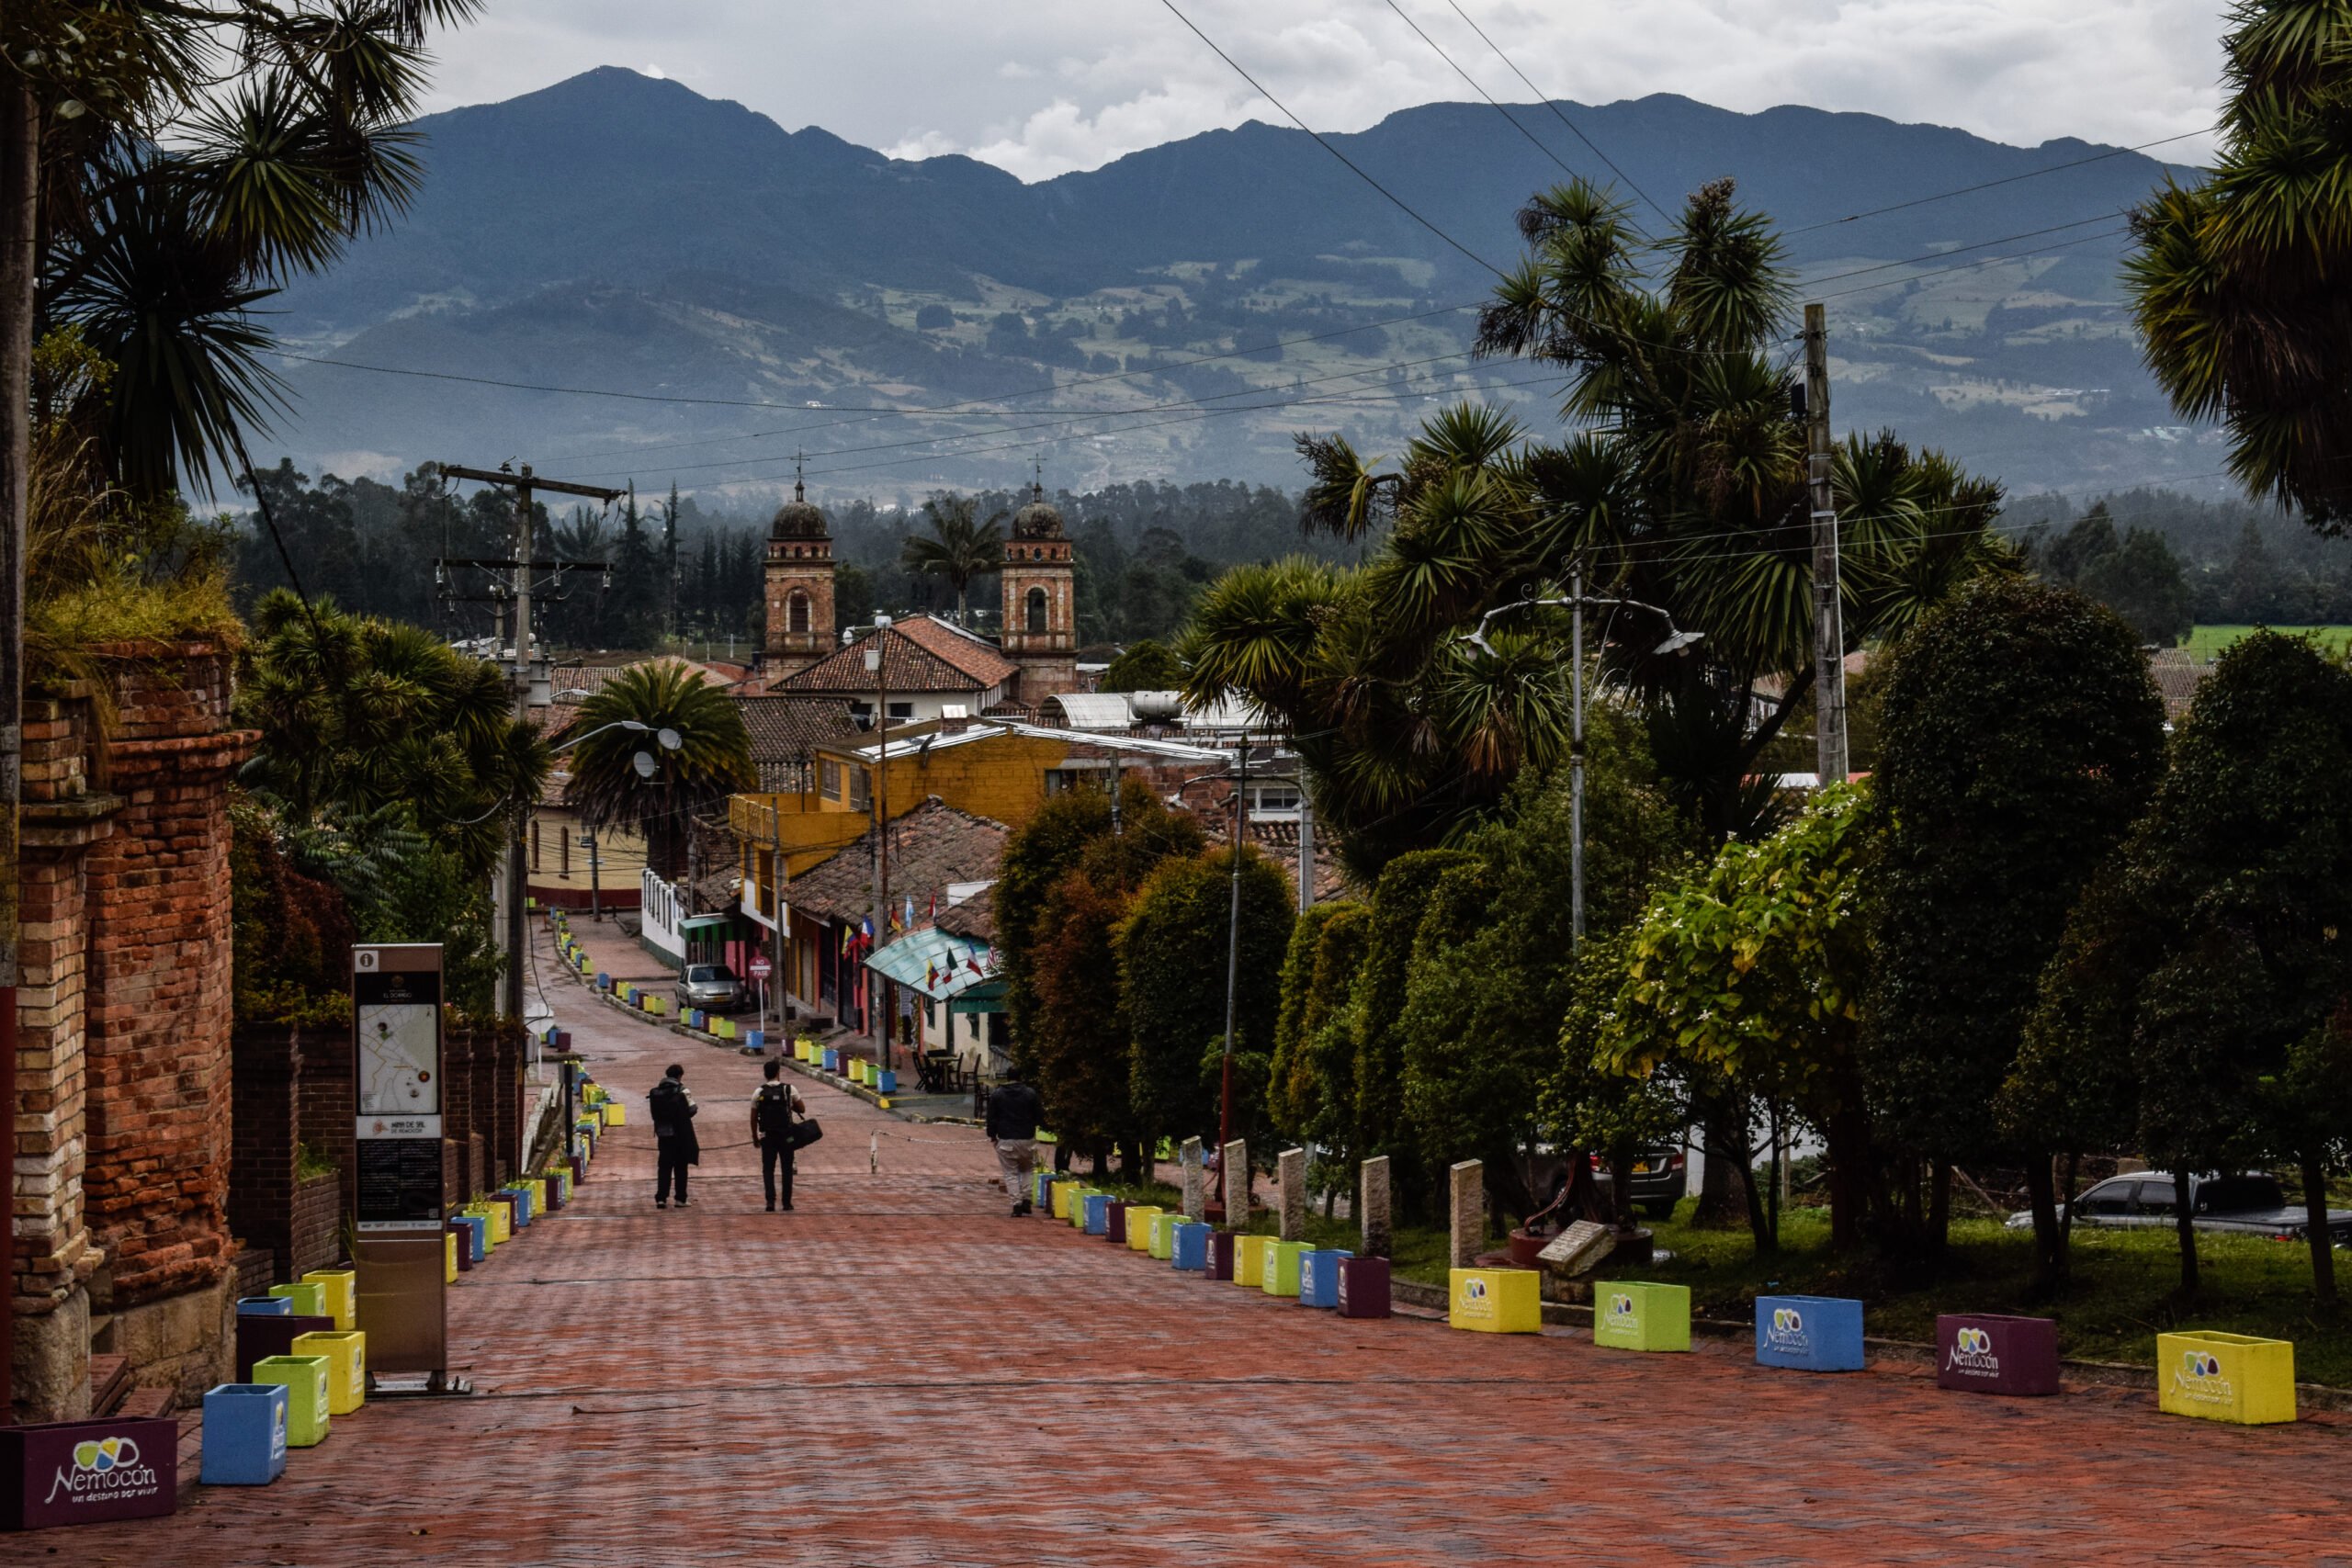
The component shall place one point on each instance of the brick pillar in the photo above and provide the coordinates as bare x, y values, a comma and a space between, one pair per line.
264, 1067
327, 1102
456, 1111
508, 1113
482, 1102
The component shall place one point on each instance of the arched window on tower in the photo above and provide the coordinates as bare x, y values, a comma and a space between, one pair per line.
1038, 611
797, 616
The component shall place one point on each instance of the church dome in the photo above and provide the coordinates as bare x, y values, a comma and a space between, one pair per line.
797, 518
1041, 519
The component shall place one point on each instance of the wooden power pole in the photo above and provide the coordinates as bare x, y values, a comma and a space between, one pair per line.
1828, 608
523, 482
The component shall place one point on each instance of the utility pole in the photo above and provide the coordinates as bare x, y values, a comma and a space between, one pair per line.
1576, 759
1828, 610
20, 141
523, 482
879, 798
1233, 949
1305, 843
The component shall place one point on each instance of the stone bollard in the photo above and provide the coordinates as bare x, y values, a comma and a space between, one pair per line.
1290, 1184
1468, 1213
1196, 1197
1236, 1185
1371, 1207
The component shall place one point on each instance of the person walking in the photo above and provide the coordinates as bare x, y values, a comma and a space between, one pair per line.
1013, 1111
673, 1111
773, 1110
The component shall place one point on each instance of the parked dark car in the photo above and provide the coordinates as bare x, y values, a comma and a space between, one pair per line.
1660, 1177
2246, 1203
712, 987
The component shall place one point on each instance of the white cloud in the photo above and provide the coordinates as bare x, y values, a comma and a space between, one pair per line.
1049, 85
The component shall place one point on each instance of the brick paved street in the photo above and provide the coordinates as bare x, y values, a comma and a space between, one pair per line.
899, 1374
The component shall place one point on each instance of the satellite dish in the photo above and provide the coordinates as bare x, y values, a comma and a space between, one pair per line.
644, 765
670, 740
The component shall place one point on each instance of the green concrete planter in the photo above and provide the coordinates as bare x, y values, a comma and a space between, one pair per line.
1280, 1268
1633, 1314
305, 1381
309, 1298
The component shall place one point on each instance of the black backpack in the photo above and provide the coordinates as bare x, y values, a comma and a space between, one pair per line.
666, 1103
775, 1112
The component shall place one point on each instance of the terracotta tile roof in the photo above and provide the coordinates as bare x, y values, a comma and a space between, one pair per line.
974, 918
918, 655
785, 730
2178, 676
930, 846
589, 679
1279, 840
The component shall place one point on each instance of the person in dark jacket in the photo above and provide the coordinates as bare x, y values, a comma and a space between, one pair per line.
772, 1112
673, 1111
1013, 1111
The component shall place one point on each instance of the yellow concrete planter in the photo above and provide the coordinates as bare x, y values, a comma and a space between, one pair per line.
613, 1115
1062, 1190
1139, 1218
340, 1287
2226, 1377
346, 1359
1494, 1300
449, 1257
1249, 1260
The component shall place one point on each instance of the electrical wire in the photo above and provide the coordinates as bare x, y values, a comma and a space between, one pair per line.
1963, 249
1981, 261
2004, 180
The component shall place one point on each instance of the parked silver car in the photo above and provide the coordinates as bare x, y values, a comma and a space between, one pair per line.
2248, 1203
712, 987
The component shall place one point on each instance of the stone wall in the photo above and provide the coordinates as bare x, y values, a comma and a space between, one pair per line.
124, 1057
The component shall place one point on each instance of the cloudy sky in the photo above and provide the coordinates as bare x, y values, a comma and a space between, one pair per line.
1042, 86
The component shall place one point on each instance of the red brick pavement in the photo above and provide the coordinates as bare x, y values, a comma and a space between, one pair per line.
899, 1374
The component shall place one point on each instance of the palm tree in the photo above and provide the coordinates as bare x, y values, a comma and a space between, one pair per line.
960, 547
1682, 486
2237, 285
712, 762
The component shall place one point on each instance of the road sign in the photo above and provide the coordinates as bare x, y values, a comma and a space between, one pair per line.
759, 968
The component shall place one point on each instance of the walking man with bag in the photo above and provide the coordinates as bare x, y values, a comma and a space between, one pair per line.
1013, 1111
673, 1111
773, 1110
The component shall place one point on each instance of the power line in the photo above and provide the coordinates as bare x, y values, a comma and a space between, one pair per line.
2004, 180
1960, 250
1321, 141
1545, 100
1981, 261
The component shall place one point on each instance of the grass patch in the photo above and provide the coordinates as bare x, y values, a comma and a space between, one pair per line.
2206, 643
2123, 1292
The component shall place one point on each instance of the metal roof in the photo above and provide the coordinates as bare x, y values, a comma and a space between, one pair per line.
938, 964
985, 729
1093, 710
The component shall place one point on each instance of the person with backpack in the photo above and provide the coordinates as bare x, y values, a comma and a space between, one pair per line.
1013, 1113
673, 1111
773, 1131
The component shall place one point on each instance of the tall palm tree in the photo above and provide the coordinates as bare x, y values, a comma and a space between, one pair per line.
960, 547
2238, 284
713, 759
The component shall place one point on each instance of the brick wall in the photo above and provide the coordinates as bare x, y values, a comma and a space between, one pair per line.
316, 1229
326, 1105
264, 1063
457, 1183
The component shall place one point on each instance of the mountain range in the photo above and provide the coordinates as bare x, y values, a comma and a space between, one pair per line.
623, 234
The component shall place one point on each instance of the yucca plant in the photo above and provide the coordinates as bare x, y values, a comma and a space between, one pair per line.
712, 762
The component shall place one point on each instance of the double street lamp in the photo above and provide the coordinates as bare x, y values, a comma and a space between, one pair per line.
1576, 601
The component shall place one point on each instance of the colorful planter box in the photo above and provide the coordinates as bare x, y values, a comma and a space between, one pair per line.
614, 1116
1633, 1314
832, 1060
309, 1300
1319, 1275
342, 1294
1809, 1333
1221, 1255
1494, 1300
1163, 1233
449, 1264
1984, 1352
308, 1419
1041, 1188
345, 1353
1281, 1268
1114, 1219
1192, 1253
2226, 1377
1139, 1218
88, 1473
262, 1335
1249, 1261
1364, 1287
264, 1306
245, 1434
886, 1081
1097, 1210
1062, 1193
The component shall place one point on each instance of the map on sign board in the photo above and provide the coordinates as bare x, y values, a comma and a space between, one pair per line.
400, 1060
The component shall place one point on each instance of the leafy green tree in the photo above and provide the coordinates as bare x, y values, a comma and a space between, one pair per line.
713, 759
1076, 1041
1586, 1106
1145, 666
2144, 583
2237, 281
1172, 956
2019, 736
2215, 959
1311, 1090
1382, 1122
959, 547
1754, 970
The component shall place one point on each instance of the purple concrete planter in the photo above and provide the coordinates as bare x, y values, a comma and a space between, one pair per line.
1994, 1353
1115, 1220
1221, 1255
1364, 1287
88, 1473
260, 1337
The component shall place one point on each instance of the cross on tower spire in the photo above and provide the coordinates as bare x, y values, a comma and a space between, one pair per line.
799, 457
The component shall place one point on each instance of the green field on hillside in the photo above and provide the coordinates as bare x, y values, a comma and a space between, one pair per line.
2207, 642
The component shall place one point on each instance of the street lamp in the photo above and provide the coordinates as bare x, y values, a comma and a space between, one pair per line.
880, 802
1675, 641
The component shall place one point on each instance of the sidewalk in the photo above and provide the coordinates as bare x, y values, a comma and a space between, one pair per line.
898, 1374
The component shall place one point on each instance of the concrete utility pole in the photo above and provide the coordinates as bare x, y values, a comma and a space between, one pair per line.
1233, 948
876, 990
1575, 761
523, 482
1828, 608
20, 141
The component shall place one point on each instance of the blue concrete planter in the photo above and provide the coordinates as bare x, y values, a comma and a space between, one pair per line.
245, 1434
1097, 1211
886, 1081
263, 1306
1809, 1333
1318, 1276
1193, 1246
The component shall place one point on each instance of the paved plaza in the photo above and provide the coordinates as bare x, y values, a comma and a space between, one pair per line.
899, 1373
